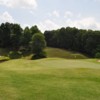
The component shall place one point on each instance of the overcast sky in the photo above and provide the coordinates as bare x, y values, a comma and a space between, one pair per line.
52, 14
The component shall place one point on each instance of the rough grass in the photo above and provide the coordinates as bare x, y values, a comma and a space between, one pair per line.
50, 79
55, 52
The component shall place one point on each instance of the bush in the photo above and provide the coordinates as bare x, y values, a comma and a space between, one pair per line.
39, 56
15, 54
97, 55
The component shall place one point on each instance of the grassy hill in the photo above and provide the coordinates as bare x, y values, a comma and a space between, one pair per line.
60, 53
50, 79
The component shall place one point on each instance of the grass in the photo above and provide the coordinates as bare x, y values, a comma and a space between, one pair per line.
60, 53
50, 79
3, 59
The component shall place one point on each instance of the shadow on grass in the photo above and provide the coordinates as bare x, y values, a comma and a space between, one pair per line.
4, 60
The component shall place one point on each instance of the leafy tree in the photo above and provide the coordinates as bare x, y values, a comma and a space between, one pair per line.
97, 55
0, 37
38, 44
26, 38
85, 41
51, 38
34, 29
5, 30
15, 37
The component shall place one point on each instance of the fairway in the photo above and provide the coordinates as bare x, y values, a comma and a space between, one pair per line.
50, 79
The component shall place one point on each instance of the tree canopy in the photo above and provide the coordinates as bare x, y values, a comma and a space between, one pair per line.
84, 41
14, 37
38, 45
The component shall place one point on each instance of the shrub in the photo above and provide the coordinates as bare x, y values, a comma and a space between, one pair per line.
97, 55
39, 56
15, 54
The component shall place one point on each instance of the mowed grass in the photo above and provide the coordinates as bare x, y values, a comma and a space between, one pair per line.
60, 53
50, 79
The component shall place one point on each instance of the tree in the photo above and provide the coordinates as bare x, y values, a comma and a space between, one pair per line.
84, 41
26, 38
34, 29
5, 30
15, 37
51, 38
38, 44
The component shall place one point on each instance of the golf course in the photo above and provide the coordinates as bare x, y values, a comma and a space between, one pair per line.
52, 78
49, 50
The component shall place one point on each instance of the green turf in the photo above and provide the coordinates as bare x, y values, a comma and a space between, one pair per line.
50, 79
55, 52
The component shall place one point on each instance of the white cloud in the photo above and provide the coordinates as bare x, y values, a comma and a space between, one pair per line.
85, 23
31, 12
6, 17
55, 13
81, 23
47, 25
68, 14
30, 4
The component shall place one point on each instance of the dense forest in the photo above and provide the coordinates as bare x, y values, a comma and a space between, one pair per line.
84, 41
13, 37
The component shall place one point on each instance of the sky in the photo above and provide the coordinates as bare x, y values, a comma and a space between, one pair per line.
52, 14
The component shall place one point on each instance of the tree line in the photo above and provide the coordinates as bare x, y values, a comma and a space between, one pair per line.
79, 40
13, 37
